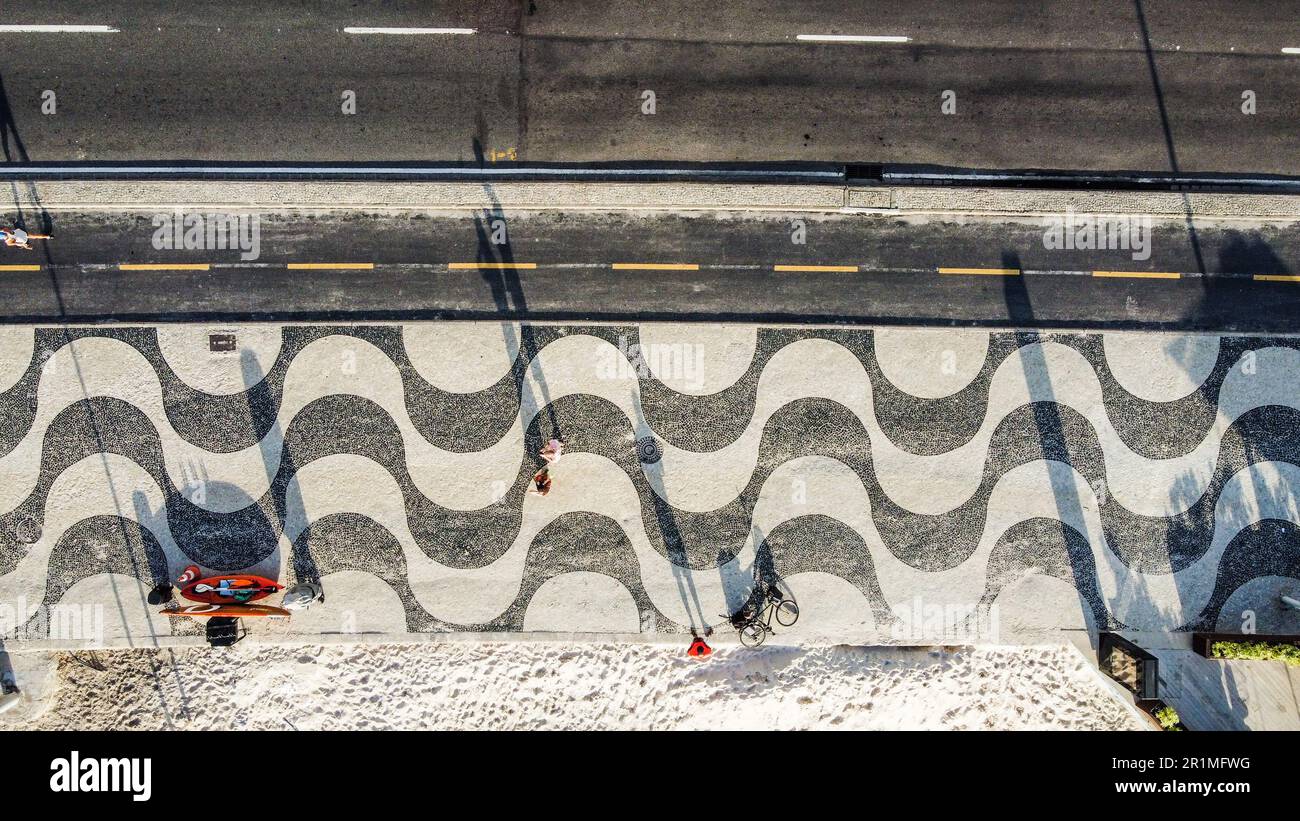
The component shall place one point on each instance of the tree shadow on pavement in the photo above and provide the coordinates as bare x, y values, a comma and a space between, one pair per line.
15, 151
1048, 422
1170, 149
508, 295
1248, 253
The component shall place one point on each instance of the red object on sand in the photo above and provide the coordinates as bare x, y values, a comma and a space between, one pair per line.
698, 648
191, 574
233, 589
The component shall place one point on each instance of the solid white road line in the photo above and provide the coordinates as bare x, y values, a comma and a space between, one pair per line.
1291, 50
853, 38
21, 29
382, 30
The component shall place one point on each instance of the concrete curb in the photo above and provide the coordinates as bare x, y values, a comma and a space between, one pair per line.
262, 634
1155, 203
148, 195
145, 194
269, 632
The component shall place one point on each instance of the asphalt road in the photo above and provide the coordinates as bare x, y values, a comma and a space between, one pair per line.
645, 266
1151, 85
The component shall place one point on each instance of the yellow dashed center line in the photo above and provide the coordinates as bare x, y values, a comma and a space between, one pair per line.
460, 266
994, 272
164, 266
845, 269
20, 267
1276, 278
656, 266
1138, 274
331, 266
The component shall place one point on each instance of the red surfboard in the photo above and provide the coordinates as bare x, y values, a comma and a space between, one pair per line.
235, 589
229, 611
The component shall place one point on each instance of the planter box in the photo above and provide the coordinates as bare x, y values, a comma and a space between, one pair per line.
1150, 707
1203, 643
1135, 669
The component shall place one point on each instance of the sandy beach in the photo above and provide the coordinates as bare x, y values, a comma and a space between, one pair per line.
458, 686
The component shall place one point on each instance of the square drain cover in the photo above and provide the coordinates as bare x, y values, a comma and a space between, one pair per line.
221, 343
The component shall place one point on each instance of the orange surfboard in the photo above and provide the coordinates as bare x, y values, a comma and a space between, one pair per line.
229, 611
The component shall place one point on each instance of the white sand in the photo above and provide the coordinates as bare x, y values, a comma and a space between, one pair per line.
559, 686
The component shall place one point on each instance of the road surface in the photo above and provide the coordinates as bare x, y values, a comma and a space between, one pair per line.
1153, 85
640, 266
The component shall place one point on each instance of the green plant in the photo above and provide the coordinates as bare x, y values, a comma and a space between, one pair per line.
1256, 651
1168, 718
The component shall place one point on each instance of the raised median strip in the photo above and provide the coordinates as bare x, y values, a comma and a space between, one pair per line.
686, 194
1037, 203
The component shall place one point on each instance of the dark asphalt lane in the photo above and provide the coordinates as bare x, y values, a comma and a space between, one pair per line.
422, 266
1151, 85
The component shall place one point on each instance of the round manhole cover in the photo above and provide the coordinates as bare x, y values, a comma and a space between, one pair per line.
27, 530
647, 450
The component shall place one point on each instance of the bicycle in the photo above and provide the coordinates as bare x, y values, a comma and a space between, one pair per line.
755, 625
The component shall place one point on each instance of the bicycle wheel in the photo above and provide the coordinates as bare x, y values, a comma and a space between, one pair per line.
787, 613
752, 634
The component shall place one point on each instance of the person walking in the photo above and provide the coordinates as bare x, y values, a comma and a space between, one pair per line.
552, 452
541, 484
17, 237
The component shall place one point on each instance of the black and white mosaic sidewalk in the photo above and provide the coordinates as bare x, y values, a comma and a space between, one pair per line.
1142, 481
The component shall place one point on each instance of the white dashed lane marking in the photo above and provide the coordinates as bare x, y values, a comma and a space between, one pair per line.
853, 38
398, 30
43, 29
